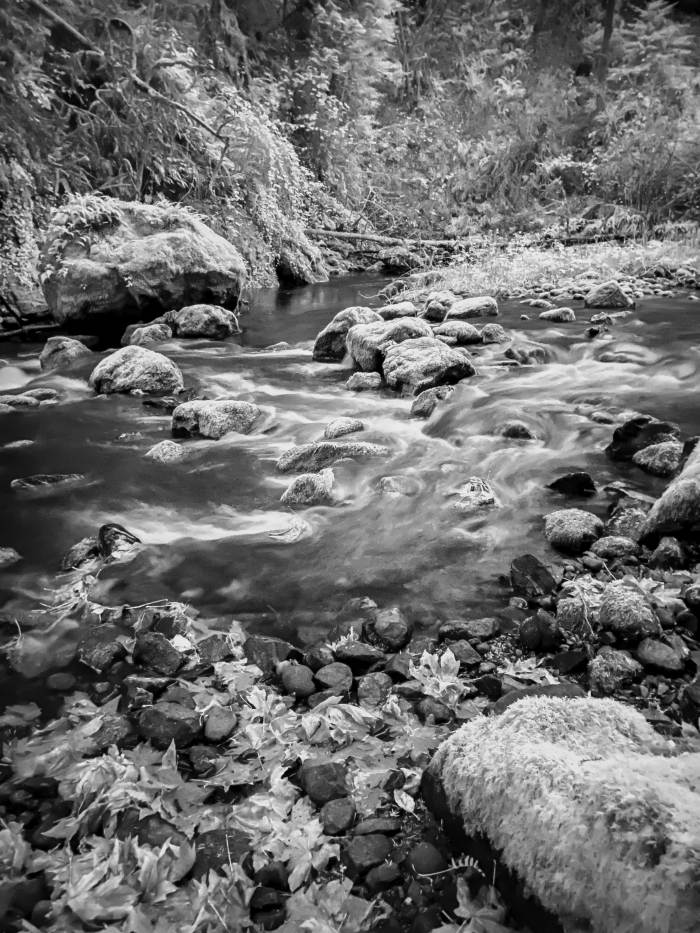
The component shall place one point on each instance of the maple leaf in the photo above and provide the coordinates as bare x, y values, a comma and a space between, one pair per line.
438, 675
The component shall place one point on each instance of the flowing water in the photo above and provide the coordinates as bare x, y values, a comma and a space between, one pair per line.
214, 531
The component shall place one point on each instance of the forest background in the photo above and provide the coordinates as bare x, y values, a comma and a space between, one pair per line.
418, 118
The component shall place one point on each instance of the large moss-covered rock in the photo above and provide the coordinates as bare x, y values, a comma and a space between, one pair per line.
595, 813
60, 352
424, 362
134, 369
572, 530
205, 321
108, 262
677, 512
608, 295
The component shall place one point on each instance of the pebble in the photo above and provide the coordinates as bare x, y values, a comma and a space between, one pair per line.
373, 689
335, 676
392, 628
364, 852
382, 877
154, 651
659, 656
297, 679
220, 724
425, 859
431, 709
61, 681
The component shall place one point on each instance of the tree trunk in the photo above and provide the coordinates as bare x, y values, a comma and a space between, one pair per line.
607, 35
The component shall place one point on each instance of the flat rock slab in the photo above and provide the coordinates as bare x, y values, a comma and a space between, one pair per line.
597, 814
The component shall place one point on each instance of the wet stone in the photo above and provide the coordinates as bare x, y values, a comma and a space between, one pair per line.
431, 709
267, 652
324, 780
464, 653
220, 724
469, 629
339, 427
154, 651
425, 859
335, 676
612, 546
298, 679
392, 628
214, 648
364, 852
612, 670
169, 722
61, 681
359, 656
382, 877
668, 554
99, 649
337, 816
658, 656
530, 577
373, 689
386, 825
318, 655
574, 484
218, 848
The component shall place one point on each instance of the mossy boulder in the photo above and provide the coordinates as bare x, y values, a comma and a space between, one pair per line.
107, 262
329, 346
424, 362
677, 512
587, 805
136, 369
367, 343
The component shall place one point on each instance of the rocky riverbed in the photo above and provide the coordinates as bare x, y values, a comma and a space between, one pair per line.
253, 581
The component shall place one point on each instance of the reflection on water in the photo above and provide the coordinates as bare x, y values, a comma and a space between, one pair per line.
214, 530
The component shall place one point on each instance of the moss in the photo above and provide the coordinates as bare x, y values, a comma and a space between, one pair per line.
588, 806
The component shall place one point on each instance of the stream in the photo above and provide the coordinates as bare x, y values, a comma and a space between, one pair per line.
215, 534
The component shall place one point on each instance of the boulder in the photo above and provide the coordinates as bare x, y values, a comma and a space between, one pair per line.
106, 261
398, 309
214, 418
677, 511
611, 670
559, 315
205, 321
60, 352
309, 489
572, 530
637, 433
626, 612
659, 459
330, 343
608, 295
462, 332
366, 343
427, 401
424, 362
597, 815
149, 335
133, 369
483, 306
313, 457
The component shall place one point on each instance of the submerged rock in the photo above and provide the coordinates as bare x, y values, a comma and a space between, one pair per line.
45, 482
474, 494
166, 452
309, 489
530, 578
205, 321
572, 530
131, 258
517, 430
427, 401
339, 427
9, 556
483, 306
133, 369
637, 433
579, 803
608, 295
213, 419
424, 362
83, 551
313, 457
61, 352
330, 343
574, 484
493, 333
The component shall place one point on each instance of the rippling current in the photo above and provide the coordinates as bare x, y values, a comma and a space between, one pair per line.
214, 531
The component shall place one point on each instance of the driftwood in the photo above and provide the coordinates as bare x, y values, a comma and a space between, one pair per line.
387, 240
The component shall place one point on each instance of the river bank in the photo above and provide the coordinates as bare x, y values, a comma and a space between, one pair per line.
367, 627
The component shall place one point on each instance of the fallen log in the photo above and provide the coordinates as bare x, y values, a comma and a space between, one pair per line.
387, 240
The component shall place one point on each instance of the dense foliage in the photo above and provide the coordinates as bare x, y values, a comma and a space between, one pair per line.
412, 116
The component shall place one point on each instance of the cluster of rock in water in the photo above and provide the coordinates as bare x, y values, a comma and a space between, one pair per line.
617, 615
